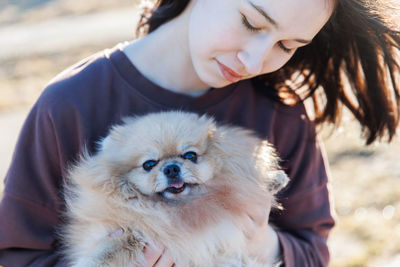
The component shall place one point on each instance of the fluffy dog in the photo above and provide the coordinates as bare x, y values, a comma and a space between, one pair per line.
174, 177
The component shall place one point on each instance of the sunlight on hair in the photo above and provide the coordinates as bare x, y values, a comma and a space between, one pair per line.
147, 4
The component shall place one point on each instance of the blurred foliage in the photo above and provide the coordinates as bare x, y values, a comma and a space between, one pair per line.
31, 11
23, 79
366, 188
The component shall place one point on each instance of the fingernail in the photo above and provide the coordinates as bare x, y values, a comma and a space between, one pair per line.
156, 246
117, 233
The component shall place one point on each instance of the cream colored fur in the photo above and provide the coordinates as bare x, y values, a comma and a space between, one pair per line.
201, 227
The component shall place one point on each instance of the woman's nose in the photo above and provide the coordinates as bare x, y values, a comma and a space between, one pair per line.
254, 56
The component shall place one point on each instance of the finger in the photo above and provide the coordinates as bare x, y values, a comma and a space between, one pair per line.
117, 233
165, 260
152, 253
259, 215
259, 212
249, 228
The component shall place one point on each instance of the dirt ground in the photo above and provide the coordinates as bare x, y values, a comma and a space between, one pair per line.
39, 38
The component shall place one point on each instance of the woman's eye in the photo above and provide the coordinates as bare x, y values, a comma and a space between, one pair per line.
248, 25
284, 48
148, 165
190, 156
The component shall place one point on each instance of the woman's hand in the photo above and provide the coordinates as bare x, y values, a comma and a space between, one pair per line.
262, 240
157, 256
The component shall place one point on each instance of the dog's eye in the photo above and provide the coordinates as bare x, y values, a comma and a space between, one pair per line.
190, 156
148, 165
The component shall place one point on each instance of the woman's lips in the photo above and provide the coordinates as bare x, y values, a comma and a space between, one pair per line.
229, 74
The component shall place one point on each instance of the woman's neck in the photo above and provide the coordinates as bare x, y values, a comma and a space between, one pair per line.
163, 56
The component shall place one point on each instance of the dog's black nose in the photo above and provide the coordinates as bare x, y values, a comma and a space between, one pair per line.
172, 171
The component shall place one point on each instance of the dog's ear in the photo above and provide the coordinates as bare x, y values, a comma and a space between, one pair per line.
111, 144
241, 151
91, 172
234, 150
233, 142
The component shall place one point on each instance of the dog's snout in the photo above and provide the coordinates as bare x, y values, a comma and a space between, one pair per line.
172, 171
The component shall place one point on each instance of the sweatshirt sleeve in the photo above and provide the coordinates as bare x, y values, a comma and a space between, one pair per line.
27, 234
31, 204
73, 112
306, 219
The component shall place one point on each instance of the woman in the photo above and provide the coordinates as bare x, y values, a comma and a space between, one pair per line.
239, 61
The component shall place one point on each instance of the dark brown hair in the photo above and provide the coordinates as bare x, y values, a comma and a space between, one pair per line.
353, 61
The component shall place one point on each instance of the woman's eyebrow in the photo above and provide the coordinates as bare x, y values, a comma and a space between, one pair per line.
303, 41
264, 14
273, 22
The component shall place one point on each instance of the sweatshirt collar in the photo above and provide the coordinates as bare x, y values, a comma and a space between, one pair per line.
158, 94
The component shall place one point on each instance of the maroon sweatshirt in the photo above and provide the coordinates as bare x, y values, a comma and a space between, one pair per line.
77, 109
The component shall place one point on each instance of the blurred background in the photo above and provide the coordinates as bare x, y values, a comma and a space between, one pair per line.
40, 38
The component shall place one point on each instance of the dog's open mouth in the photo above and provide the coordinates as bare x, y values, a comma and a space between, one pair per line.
176, 188
177, 191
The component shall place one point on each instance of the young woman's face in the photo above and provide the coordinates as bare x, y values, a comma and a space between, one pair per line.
231, 40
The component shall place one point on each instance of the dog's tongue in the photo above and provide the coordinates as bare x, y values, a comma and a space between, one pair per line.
177, 185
